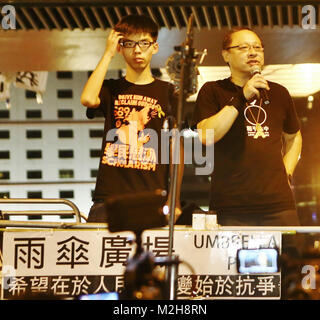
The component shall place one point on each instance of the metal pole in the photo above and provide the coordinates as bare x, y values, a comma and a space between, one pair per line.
46, 201
187, 56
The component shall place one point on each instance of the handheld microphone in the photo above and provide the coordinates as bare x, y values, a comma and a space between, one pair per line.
263, 92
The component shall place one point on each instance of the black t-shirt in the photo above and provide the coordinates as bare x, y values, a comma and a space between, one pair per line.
131, 154
249, 174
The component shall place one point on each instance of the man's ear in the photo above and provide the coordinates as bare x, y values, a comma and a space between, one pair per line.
225, 56
155, 48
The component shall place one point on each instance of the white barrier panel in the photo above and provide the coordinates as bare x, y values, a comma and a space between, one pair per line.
70, 263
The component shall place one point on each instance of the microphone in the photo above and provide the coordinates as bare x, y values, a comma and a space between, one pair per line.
263, 92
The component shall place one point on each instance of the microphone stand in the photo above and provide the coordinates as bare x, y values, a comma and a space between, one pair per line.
188, 57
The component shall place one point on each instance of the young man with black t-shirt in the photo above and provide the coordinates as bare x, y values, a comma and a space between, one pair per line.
135, 108
257, 145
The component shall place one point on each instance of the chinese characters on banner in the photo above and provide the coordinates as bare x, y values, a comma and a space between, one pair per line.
70, 263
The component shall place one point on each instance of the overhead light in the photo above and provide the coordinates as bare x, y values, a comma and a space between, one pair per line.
310, 102
301, 80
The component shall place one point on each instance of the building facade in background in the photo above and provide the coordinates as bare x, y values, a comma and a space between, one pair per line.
49, 150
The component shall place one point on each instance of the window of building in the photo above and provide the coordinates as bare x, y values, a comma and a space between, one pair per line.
66, 194
34, 194
96, 133
34, 174
35, 217
94, 173
4, 114
66, 173
33, 114
31, 94
34, 154
4, 194
4, 154
65, 133
95, 113
65, 113
64, 74
67, 216
34, 134
65, 154
4, 175
4, 134
94, 153
65, 93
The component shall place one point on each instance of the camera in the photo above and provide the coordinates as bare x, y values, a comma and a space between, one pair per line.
262, 260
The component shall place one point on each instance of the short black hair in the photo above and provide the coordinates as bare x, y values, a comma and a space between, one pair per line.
136, 23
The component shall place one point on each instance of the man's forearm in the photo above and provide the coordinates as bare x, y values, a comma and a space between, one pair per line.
220, 123
292, 151
91, 90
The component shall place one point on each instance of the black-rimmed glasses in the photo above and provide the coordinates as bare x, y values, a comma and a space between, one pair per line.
143, 44
247, 47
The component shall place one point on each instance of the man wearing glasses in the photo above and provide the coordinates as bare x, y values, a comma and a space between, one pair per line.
257, 144
135, 107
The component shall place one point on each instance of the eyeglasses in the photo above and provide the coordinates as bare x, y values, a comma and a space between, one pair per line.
143, 44
247, 47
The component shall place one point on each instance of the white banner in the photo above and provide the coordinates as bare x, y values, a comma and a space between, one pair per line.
31, 80
46, 256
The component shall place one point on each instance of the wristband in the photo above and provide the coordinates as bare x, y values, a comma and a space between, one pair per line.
238, 101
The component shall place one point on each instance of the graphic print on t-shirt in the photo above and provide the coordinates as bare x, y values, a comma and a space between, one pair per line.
256, 117
132, 113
